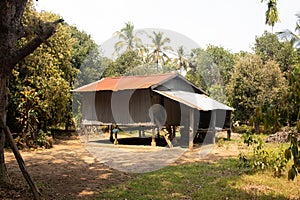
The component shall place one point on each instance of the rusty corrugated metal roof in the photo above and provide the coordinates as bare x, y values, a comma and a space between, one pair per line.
194, 100
125, 83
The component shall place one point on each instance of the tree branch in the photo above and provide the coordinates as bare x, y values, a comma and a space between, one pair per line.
47, 30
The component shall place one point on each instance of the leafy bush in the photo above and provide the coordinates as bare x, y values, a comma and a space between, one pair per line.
255, 85
293, 152
262, 159
43, 139
40, 139
240, 128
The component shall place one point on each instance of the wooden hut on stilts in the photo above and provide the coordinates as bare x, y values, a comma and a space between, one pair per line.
159, 102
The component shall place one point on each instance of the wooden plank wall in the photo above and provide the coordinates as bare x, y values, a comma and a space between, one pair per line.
136, 105
123, 107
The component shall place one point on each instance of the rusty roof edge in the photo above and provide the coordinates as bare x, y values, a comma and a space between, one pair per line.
172, 75
85, 86
152, 87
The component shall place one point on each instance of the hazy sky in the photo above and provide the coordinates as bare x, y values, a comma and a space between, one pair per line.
232, 24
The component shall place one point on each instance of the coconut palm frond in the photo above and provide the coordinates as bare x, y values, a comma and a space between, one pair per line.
117, 33
298, 16
290, 36
167, 48
164, 55
166, 40
119, 45
296, 42
285, 35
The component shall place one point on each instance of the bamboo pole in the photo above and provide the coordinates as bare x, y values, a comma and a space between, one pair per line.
153, 143
213, 125
191, 129
167, 139
21, 163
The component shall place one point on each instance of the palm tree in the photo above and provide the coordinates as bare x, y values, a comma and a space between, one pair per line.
158, 55
272, 16
128, 38
294, 38
144, 53
181, 61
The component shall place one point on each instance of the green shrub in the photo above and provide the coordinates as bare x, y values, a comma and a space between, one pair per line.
293, 153
241, 129
262, 159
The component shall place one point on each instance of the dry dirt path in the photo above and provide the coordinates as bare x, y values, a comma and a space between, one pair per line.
70, 171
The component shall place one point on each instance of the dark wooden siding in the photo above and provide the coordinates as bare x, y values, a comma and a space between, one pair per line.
139, 105
173, 110
123, 107
133, 106
223, 119
88, 109
103, 107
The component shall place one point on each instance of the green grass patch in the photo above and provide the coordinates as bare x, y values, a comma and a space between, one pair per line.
220, 180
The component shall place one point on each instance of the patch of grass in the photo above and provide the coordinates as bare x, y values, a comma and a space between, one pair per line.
242, 128
220, 180
264, 183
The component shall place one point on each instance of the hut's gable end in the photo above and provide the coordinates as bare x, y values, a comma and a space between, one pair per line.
177, 84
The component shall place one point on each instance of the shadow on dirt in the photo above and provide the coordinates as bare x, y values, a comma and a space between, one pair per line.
67, 171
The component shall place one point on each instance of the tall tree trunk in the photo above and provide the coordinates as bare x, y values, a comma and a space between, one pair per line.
3, 170
3, 108
11, 30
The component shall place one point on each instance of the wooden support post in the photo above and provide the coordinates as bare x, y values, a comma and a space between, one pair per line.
86, 132
167, 139
116, 138
158, 133
153, 143
111, 139
97, 132
115, 130
191, 129
140, 133
228, 134
173, 130
230, 125
213, 125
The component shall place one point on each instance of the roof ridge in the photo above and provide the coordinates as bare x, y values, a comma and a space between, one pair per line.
127, 82
151, 75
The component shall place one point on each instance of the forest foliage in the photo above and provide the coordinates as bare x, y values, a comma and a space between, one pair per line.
263, 86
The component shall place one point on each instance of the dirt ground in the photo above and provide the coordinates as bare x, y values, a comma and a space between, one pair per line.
69, 171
